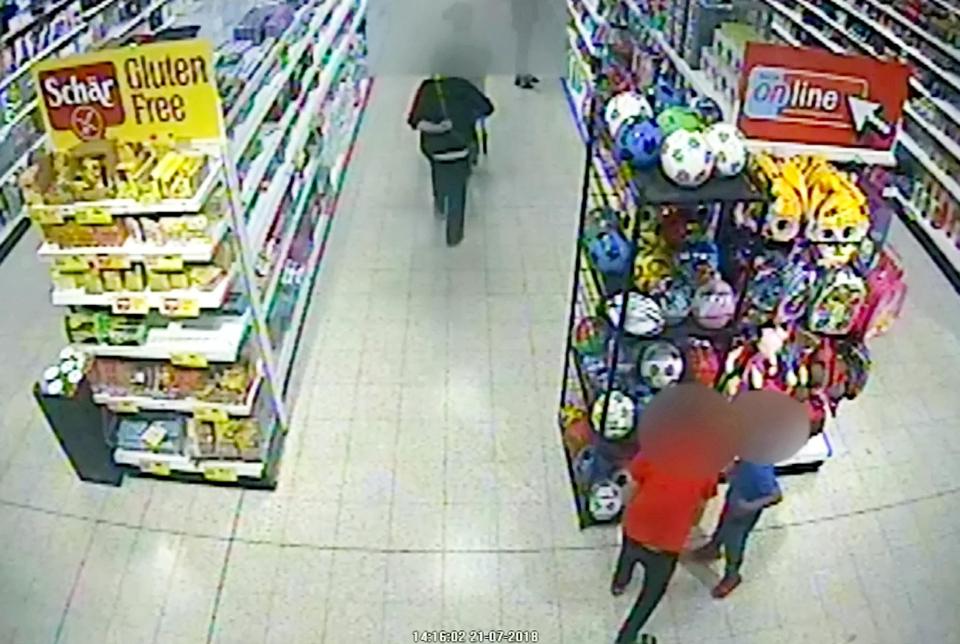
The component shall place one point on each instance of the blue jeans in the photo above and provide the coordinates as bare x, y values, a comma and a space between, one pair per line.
732, 533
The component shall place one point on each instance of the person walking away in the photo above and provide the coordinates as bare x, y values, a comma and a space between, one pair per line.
445, 111
661, 508
753, 487
524, 14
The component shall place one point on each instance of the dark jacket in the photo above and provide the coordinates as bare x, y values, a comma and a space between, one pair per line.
455, 99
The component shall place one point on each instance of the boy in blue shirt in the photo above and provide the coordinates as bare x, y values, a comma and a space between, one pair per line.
753, 487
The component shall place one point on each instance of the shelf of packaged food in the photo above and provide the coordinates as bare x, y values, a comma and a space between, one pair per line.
696, 78
800, 23
290, 230
947, 108
181, 405
140, 18
214, 469
590, 6
255, 176
292, 336
267, 96
253, 182
949, 183
134, 301
782, 32
946, 4
947, 143
266, 207
24, 112
216, 339
49, 13
937, 236
267, 62
581, 29
879, 157
199, 251
46, 52
933, 41
946, 76
193, 204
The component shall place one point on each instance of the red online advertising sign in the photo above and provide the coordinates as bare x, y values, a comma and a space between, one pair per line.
811, 96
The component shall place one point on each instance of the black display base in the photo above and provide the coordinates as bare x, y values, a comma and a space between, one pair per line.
799, 468
655, 189
77, 423
189, 477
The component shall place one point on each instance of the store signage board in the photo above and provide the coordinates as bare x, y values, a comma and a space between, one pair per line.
143, 93
809, 101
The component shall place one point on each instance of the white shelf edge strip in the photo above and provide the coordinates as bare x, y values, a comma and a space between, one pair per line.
937, 236
290, 232
290, 339
218, 344
899, 42
920, 155
182, 463
945, 48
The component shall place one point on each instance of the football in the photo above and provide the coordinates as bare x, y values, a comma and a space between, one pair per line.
623, 107
638, 142
605, 501
661, 364
686, 159
729, 150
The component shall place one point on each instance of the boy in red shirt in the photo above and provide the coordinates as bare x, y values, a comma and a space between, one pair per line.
662, 506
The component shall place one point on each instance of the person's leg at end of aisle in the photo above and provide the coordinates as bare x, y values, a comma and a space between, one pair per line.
451, 184
439, 199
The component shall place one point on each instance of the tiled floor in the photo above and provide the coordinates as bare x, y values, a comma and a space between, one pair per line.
425, 486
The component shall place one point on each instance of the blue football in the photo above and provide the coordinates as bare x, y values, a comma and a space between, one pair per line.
639, 141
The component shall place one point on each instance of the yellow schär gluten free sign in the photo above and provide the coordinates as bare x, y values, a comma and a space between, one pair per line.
131, 94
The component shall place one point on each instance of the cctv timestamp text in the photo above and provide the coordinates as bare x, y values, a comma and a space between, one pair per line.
481, 636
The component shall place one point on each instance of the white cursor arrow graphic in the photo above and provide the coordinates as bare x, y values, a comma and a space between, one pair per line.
864, 112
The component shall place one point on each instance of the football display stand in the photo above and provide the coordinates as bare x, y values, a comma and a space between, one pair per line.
699, 261
184, 236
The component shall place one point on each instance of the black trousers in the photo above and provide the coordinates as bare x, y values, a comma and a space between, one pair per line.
658, 569
450, 194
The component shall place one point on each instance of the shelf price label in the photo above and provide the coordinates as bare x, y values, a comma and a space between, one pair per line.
189, 360
156, 468
130, 305
211, 415
220, 474
125, 407
113, 263
72, 264
94, 217
180, 307
45, 216
166, 264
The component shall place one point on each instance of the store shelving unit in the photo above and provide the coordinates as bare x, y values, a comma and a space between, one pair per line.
927, 144
290, 142
104, 23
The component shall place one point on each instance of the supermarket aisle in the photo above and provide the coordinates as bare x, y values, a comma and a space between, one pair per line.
424, 486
